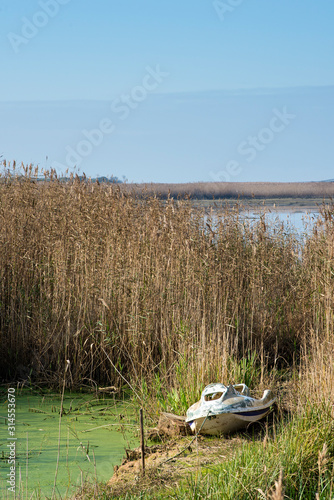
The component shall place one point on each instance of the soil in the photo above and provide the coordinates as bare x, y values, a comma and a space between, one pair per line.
167, 463
178, 456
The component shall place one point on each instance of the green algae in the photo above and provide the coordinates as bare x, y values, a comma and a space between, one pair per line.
94, 434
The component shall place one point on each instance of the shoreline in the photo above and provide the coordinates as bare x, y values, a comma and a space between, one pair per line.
312, 192
294, 205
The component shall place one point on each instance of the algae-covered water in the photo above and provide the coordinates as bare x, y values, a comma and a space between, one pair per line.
94, 432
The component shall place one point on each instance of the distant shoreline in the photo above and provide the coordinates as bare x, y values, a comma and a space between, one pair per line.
292, 196
278, 196
293, 205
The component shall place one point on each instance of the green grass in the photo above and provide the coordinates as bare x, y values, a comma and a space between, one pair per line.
302, 449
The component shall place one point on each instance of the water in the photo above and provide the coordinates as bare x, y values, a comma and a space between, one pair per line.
299, 221
94, 435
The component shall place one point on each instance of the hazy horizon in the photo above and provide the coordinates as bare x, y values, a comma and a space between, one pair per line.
169, 91
180, 137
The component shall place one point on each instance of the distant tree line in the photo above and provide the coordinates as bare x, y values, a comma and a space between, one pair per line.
112, 179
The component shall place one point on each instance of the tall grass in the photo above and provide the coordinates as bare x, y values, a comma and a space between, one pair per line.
173, 298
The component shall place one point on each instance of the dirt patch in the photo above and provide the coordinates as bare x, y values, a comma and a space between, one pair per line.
166, 464
177, 455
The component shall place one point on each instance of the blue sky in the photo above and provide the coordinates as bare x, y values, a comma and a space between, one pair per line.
170, 91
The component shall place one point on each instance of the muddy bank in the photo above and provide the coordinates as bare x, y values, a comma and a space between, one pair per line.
167, 463
177, 454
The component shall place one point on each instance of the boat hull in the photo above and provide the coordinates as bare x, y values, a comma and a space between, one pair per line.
225, 423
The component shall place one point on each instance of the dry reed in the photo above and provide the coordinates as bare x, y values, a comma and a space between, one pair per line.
90, 271
242, 190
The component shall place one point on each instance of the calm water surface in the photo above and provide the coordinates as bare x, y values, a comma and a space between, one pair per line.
297, 221
301, 221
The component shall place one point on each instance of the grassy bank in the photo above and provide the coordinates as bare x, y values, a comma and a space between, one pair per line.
133, 290
292, 460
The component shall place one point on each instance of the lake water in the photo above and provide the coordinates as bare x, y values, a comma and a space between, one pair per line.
94, 435
301, 221
298, 221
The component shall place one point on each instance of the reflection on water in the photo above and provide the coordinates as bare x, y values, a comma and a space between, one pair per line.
301, 221
94, 435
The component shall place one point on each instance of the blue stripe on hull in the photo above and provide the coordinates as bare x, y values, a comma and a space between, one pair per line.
251, 413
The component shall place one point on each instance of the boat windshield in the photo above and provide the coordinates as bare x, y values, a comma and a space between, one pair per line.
213, 396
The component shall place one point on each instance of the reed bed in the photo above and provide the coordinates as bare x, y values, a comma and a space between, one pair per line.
90, 272
241, 190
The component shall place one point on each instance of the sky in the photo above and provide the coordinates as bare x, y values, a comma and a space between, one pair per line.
169, 91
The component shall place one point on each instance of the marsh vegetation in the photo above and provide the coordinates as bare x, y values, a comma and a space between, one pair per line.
135, 290
284, 192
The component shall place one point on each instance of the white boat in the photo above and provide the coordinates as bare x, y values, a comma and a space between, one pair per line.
224, 409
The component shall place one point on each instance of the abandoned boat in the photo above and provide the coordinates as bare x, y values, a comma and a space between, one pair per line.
222, 409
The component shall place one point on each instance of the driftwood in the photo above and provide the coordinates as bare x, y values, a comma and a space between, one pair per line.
112, 389
169, 425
